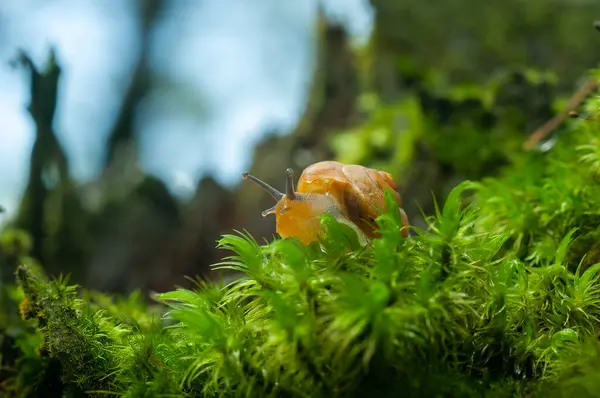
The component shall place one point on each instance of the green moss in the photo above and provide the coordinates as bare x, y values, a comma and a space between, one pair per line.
498, 296
490, 122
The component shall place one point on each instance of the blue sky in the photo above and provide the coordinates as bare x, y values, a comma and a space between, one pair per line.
241, 67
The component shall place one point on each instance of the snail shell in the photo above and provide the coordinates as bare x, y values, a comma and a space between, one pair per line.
353, 194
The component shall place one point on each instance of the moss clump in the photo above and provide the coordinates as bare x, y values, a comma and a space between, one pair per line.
499, 296
490, 121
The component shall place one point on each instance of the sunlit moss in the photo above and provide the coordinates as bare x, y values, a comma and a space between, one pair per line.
499, 296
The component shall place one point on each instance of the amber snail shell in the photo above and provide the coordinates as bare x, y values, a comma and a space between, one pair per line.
354, 194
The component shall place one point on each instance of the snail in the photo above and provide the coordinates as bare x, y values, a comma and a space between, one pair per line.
353, 194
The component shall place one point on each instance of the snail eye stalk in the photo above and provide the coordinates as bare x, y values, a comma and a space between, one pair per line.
272, 191
289, 184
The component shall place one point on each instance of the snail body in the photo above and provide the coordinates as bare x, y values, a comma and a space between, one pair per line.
353, 194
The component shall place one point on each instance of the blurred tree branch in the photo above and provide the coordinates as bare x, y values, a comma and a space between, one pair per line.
122, 133
335, 87
576, 100
330, 105
47, 154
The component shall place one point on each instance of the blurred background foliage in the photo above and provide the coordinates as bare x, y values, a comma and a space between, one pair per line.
434, 95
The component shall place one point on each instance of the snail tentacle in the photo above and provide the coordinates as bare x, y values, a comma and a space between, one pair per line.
272, 191
289, 184
269, 211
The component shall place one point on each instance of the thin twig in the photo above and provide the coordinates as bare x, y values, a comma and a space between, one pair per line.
574, 114
550, 125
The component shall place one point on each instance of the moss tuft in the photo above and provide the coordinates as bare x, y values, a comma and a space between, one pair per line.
499, 296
